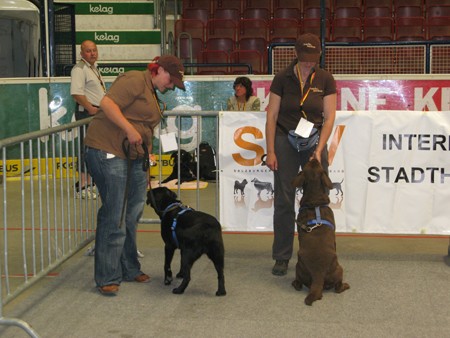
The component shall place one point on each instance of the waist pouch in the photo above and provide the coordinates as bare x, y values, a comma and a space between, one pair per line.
303, 143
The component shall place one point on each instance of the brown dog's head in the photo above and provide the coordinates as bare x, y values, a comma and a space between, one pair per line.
315, 184
160, 198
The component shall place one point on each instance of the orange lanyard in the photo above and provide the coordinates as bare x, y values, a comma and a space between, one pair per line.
303, 99
97, 74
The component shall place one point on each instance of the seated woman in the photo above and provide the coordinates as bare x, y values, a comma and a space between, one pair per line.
243, 98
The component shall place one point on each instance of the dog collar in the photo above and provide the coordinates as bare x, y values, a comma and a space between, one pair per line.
317, 222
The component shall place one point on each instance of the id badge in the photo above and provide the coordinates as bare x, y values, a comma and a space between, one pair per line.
168, 142
304, 128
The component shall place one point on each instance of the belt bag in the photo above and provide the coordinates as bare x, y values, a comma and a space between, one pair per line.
301, 143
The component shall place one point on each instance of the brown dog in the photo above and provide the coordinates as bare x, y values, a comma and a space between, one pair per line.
317, 267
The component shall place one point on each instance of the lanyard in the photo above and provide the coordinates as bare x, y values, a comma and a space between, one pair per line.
303, 99
239, 106
97, 74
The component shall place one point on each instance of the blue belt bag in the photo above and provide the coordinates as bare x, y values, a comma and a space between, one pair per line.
301, 143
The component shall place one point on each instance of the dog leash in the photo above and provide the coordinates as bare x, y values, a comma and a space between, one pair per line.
145, 166
315, 223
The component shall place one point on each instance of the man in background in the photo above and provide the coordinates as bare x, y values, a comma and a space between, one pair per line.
87, 89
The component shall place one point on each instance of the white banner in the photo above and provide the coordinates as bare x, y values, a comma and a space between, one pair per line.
390, 171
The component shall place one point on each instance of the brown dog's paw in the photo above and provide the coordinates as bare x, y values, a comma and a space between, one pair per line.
297, 285
311, 298
341, 287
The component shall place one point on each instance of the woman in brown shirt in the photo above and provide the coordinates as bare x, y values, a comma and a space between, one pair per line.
118, 142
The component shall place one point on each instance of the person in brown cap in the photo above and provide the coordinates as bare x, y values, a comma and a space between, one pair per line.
302, 100
118, 143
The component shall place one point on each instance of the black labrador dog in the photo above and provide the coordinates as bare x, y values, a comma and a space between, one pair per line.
194, 232
188, 167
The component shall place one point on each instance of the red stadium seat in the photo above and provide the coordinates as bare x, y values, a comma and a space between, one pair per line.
256, 13
314, 26
410, 28
201, 14
378, 29
287, 13
438, 28
251, 57
213, 56
346, 30
253, 28
284, 30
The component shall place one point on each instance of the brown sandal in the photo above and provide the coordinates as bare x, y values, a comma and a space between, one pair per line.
142, 278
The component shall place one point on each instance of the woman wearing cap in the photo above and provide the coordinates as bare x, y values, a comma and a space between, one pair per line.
304, 92
118, 141
243, 99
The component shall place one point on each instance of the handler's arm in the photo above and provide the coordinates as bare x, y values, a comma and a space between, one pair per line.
329, 114
273, 109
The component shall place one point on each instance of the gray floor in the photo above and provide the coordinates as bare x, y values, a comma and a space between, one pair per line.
400, 287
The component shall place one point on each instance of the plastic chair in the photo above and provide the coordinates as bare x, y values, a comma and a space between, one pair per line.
348, 12
410, 28
251, 57
256, 13
315, 13
346, 30
258, 4
287, 4
378, 8
189, 31
197, 4
408, 11
258, 44
378, 12
284, 30
232, 4
315, 4
438, 28
201, 14
227, 13
378, 29
223, 44
221, 28
253, 28
287, 13
314, 26
213, 56
438, 11
437, 2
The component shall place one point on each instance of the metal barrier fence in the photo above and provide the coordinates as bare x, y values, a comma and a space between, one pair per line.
369, 58
44, 223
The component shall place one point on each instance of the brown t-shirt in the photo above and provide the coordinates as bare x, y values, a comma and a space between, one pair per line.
134, 94
287, 86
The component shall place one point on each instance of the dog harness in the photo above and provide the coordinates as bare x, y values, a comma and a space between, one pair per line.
183, 209
315, 223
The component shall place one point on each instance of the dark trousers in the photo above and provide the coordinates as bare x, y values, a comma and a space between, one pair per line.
290, 162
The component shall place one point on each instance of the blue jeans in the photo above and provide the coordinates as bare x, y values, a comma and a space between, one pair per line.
115, 244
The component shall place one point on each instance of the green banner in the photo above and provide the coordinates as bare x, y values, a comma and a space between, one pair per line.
120, 37
114, 8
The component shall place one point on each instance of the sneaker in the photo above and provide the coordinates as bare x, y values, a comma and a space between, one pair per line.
140, 254
91, 251
86, 193
280, 267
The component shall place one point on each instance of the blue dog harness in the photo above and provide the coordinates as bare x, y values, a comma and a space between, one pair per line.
315, 223
183, 209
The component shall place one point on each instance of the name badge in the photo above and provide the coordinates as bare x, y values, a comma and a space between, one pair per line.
304, 128
168, 142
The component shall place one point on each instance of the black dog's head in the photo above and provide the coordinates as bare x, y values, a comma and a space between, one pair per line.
160, 198
185, 156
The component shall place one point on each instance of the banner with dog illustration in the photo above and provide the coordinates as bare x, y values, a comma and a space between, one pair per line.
390, 172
